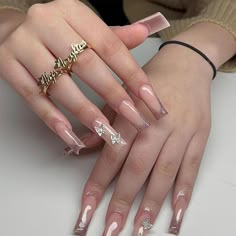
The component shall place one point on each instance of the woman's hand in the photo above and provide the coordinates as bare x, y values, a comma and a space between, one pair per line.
170, 150
45, 35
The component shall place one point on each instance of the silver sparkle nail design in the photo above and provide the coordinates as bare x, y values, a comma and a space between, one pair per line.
100, 130
146, 224
84, 221
115, 138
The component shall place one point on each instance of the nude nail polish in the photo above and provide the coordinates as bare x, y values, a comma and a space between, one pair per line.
142, 226
128, 110
155, 23
113, 225
178, 214
85, 217
152, 101
69, 137
105, 131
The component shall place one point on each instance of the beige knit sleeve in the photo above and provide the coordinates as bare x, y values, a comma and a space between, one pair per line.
19, 5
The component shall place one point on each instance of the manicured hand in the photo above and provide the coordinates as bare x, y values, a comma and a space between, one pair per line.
169, 151
45, 34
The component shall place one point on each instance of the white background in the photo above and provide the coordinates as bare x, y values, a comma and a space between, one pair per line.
40, 189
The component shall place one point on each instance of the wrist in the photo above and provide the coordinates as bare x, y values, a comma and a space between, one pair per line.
10, 19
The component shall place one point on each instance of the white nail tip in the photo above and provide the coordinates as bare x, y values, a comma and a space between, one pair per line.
112, 228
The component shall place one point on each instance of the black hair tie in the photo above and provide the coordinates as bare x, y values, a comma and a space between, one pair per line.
194, 49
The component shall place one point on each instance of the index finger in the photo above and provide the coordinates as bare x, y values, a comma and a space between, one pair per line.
115, 54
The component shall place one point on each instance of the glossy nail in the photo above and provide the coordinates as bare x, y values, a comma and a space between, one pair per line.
85, 217
128, 110
155, 23
178, 214
69, 137
142, 225
105, 131
113, 225
152, 101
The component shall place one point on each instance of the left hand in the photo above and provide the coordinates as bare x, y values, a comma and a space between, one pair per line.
170, 150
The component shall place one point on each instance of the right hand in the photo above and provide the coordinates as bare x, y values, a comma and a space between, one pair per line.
46, 33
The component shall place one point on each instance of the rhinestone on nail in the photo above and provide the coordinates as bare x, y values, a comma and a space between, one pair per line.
115, 138
146, 224
100, 130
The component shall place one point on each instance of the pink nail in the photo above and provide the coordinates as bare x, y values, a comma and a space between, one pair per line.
155, 23
105, 131
69, 137
128, 110
152, 101
178, 215
85, 217
113, 225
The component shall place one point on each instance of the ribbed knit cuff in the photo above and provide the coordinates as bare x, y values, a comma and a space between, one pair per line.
219, 12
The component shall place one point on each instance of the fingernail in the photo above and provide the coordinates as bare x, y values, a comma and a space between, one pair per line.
152, 101
105, 131
69, 137
85, 217
154, 23
113, 226
128, 110
178, 215
142, 225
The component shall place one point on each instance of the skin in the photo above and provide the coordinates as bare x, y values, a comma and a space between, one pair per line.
168, 154
171, 149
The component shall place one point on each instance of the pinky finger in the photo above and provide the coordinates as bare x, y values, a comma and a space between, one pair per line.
186, 179
22, 81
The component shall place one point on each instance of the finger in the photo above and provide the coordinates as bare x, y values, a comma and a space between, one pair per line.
20, 79
65, 90
162, 178
91, 69
137, 167
110, 160
114, 53
186, 179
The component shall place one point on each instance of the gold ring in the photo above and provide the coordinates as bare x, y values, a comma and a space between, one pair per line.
61, 67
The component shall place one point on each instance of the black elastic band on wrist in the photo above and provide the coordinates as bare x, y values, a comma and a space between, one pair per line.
194, 49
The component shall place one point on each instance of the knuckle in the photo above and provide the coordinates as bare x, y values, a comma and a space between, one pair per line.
111, 47
86, 59
85, 110
28, 93
167, 168
137, 165
194, 162
110, 157
121, 202
36, 11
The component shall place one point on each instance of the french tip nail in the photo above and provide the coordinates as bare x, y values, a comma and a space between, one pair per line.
178, 215
154, 23
69, 137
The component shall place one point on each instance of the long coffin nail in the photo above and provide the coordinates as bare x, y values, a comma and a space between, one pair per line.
69, 137
105, 131
128, 110
142, 226
154, 23
113, 225
178, 215
85, 217
152, 101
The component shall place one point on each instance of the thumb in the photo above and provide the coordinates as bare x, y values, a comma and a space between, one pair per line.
131, 35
